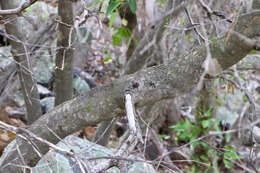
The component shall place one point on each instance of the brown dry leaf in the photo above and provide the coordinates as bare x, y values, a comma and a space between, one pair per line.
17, 122
4, 117
89, 132
4, 137
4, 140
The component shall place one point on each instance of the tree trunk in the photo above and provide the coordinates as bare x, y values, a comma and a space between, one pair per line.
21, 55
64, 59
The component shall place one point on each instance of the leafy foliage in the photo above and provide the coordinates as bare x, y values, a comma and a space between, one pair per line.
132, 4
93, 4
120, 34
114, 4
112, 19
203, 154
111, 11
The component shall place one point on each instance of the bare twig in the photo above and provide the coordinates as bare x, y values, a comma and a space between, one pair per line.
132, 117
210, 12
242, 88
28, 136
19, 9
168, 162
193, 24
235, 130
131, 140
174, 11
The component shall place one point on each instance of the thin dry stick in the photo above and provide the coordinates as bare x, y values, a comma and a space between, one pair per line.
19, 9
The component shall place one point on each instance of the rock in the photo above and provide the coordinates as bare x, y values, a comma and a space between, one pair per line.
57, 162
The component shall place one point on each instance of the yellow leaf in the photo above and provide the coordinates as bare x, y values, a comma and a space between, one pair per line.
11, 135
124, 22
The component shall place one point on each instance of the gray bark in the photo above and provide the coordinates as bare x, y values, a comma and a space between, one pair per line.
64, 58
20, 52
102, 136
137, 61
103, 132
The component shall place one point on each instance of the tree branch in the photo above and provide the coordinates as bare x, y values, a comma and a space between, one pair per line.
19, 9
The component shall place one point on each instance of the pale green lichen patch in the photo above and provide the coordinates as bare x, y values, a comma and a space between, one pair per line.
88, 108
172, 74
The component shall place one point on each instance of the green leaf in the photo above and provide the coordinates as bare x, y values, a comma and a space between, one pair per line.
209, 112
161, 1
227, 137
28, 9
188, 36
195, 131
229, 148
132, 4
108, 59
205, 145
219, 103
184, 137
213, 39
195, 144
192, 170
218, 129
113, 4
245, 99
227, 163
230, 155
120, 34
252, 52
243, 76
112, 19
216, 169
206, 123
93, 4
164, 137
181, 21
204, 157
116, 40
124, 32
210, 152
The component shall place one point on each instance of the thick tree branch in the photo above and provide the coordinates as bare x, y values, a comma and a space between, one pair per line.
148, 86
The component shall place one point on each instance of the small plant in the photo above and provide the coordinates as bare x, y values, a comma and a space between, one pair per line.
230, 154
205, 157
120, 34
